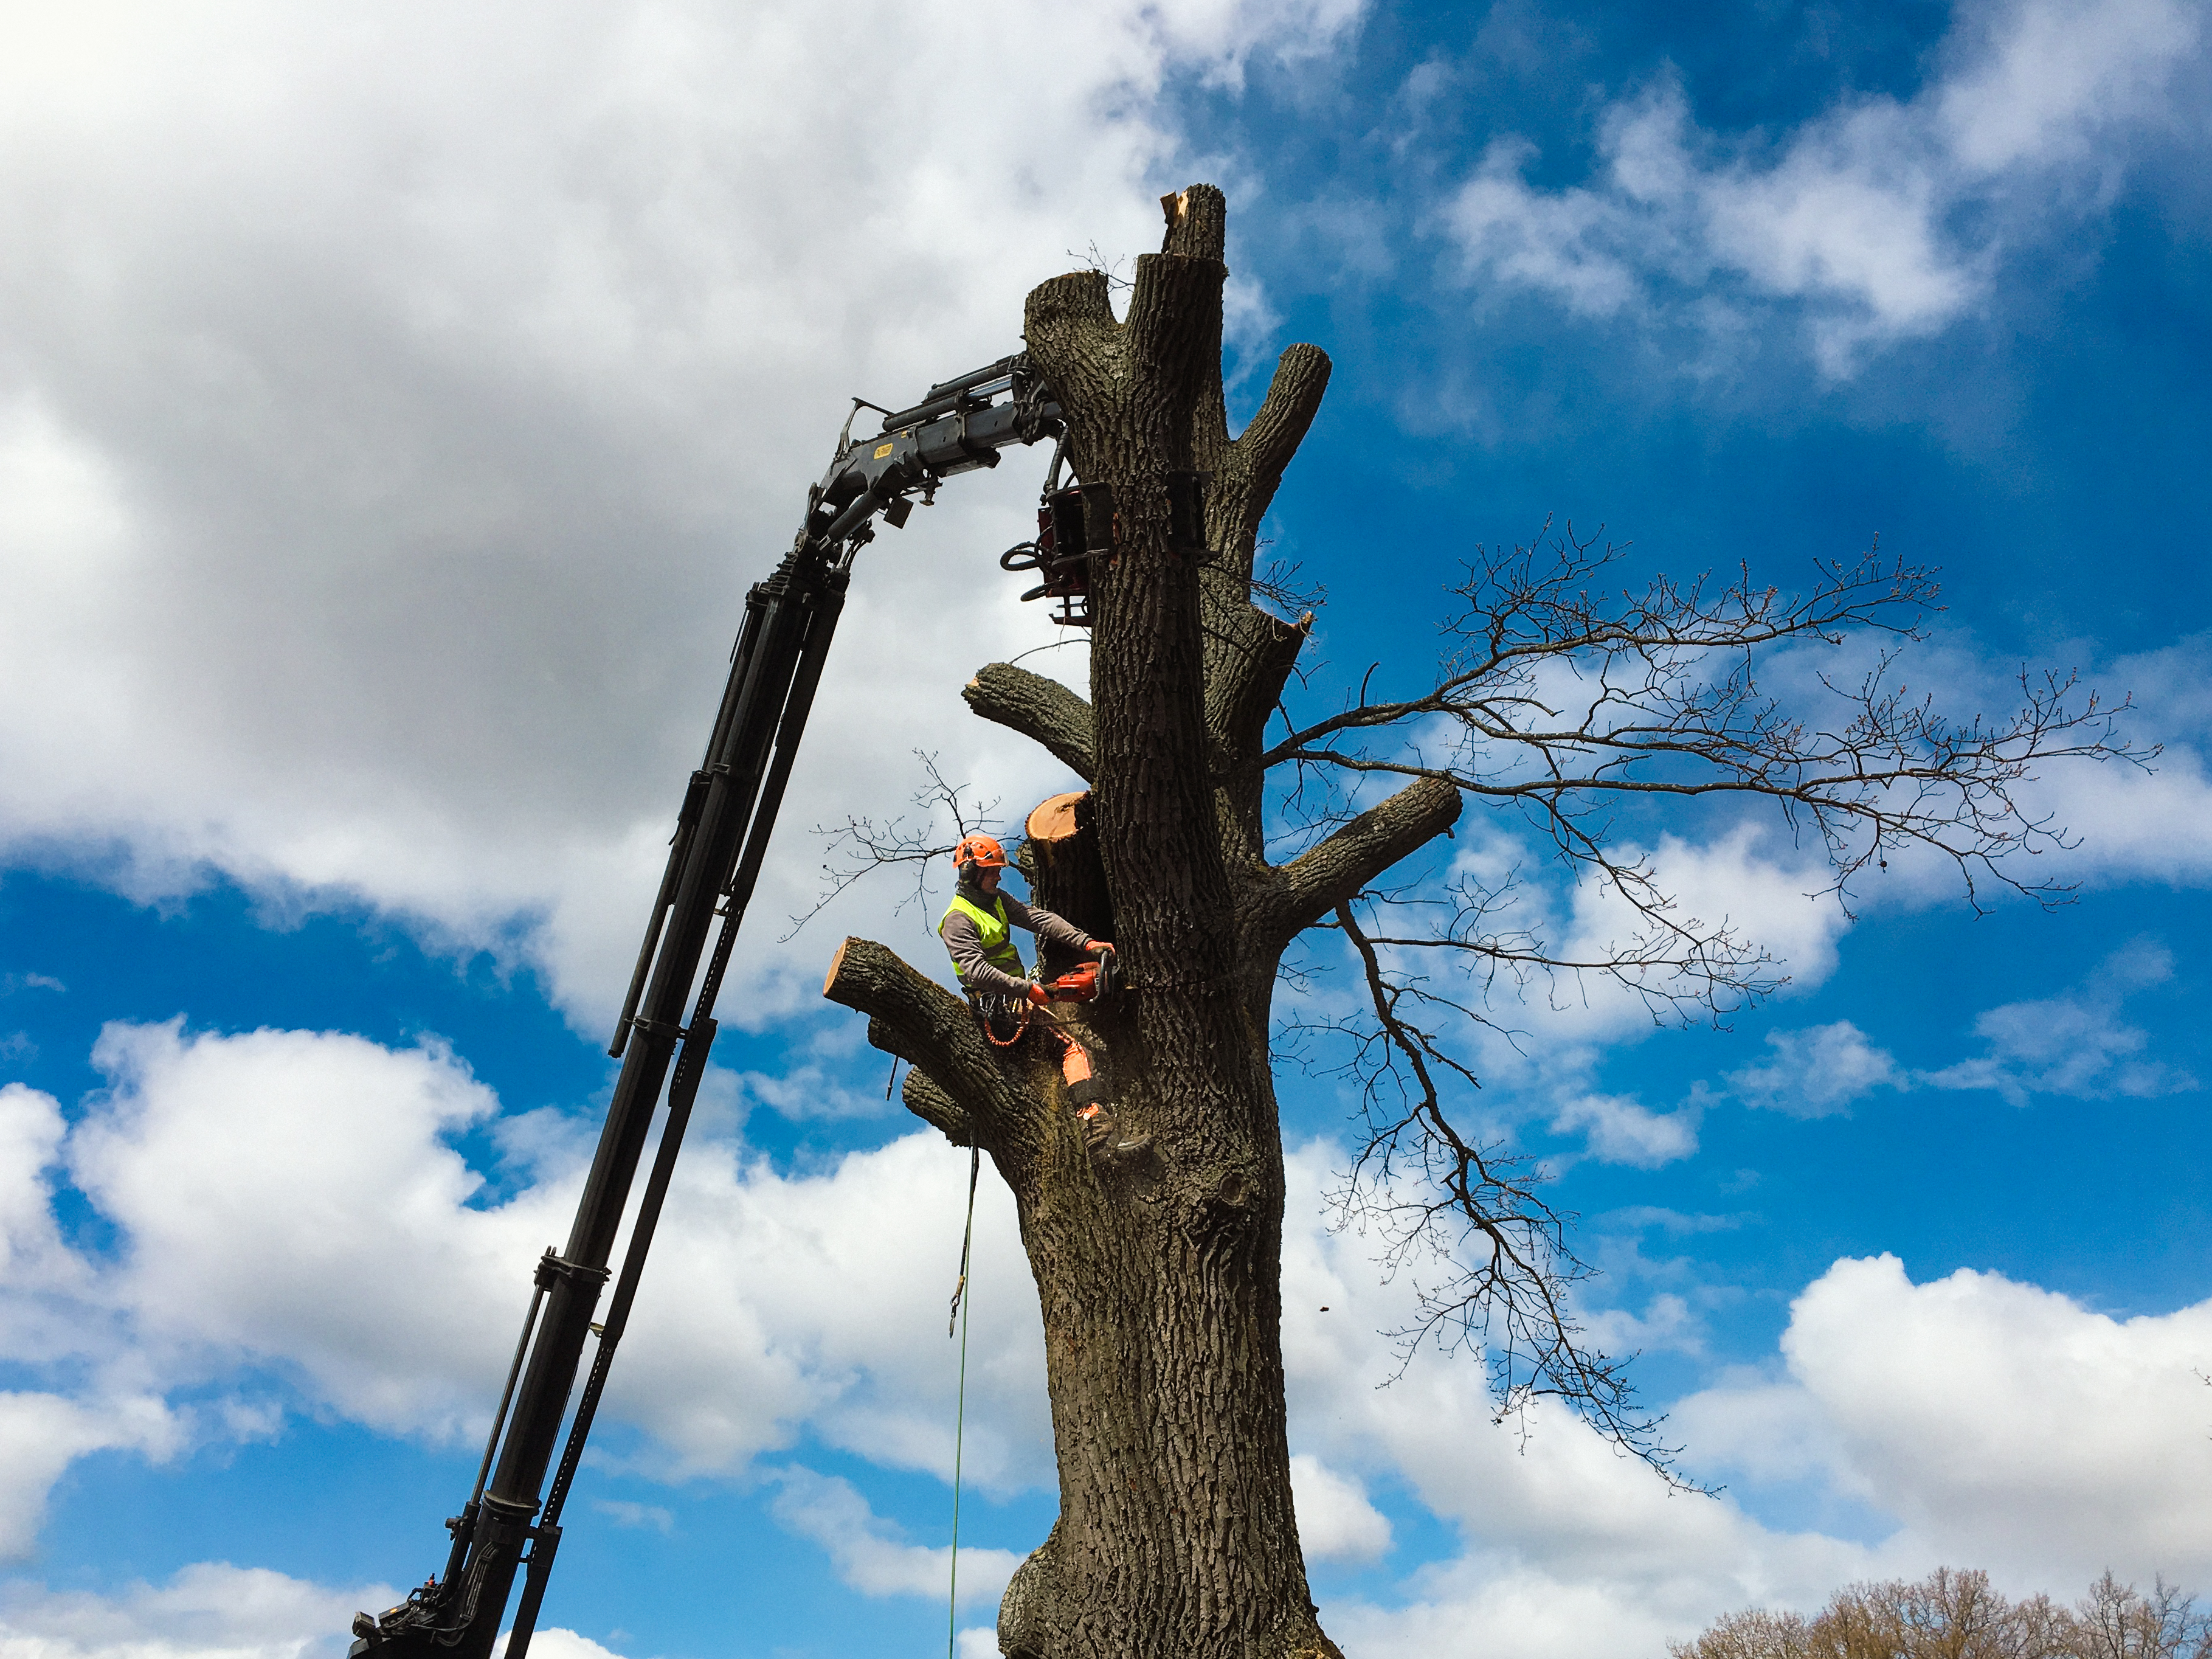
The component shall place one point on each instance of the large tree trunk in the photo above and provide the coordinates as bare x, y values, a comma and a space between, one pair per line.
1159, 1271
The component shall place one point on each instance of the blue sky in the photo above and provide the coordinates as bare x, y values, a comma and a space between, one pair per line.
393, 409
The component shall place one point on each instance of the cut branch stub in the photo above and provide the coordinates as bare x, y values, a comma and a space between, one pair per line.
1043, 710
1198, 223
923, 1024
1246, 470
1065, 876
1325, 877
933, 1106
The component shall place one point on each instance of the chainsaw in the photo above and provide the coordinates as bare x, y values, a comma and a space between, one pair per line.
1094, 981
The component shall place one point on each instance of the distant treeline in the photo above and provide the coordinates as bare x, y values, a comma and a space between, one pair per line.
1956, 1615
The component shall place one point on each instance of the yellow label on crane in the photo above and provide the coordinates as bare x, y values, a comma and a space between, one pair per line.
881, 450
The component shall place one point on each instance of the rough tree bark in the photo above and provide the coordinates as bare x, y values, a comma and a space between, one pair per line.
1159, 1276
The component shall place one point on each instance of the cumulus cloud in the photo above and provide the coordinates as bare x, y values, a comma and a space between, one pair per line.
558, 1643
808, 1092
1745, 881
1335, 1520
1565, 1548
211, 1610
290, 1202
42, 1434
814, 1300
391, 420
1819, 1070
869, 1552
1994, 1420
32, 1255
288, 1197
2074, 1044
1622, 1131
1973, 1419
1882, 218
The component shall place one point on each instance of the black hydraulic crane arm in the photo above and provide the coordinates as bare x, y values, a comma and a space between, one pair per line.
714, 858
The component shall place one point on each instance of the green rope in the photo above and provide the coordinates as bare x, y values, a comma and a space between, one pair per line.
960, 1413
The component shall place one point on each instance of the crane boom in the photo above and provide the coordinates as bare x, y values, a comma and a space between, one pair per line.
714, 858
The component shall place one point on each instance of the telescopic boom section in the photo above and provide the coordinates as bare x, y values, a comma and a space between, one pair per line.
714, 858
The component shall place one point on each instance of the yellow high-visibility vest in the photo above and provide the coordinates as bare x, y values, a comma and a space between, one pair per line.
995, 930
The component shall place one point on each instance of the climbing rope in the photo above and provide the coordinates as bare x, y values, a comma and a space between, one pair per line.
959, 1316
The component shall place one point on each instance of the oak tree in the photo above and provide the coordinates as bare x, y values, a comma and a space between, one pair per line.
1220, 824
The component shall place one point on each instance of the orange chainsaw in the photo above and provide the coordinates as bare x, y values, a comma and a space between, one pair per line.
1094, 981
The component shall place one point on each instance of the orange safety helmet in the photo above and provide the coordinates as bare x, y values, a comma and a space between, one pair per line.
980, 851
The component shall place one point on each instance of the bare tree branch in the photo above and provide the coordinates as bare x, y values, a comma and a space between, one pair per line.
1570, 706
1043, 710
1438, 1196
1320, 880
860, 847
1561, 703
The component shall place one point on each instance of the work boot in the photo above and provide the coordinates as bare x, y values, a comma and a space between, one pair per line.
1099, 1134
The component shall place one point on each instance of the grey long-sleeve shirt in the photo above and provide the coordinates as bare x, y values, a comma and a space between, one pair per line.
965, 941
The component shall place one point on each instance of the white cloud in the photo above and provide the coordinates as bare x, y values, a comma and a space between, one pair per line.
2074, 1044
288, 1197
210, 1610
1884, 219
1817, 1072
808, 1092
392, 418
1668, 1323
623, 1513
1335, 1520
869, 1553
821, 1299
1973, 1420
1997, 1422
805, 1296
1621, 1131
32, 1255
289, 1200
1565, 1549
1735, 882
42, 1434
1975, 1411
558, 1643
213, 1610
2042, 81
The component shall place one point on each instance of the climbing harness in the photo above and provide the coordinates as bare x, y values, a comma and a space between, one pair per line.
990, 1009
959, 1315
1093, 981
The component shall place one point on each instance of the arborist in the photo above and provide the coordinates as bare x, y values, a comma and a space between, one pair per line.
977, 931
